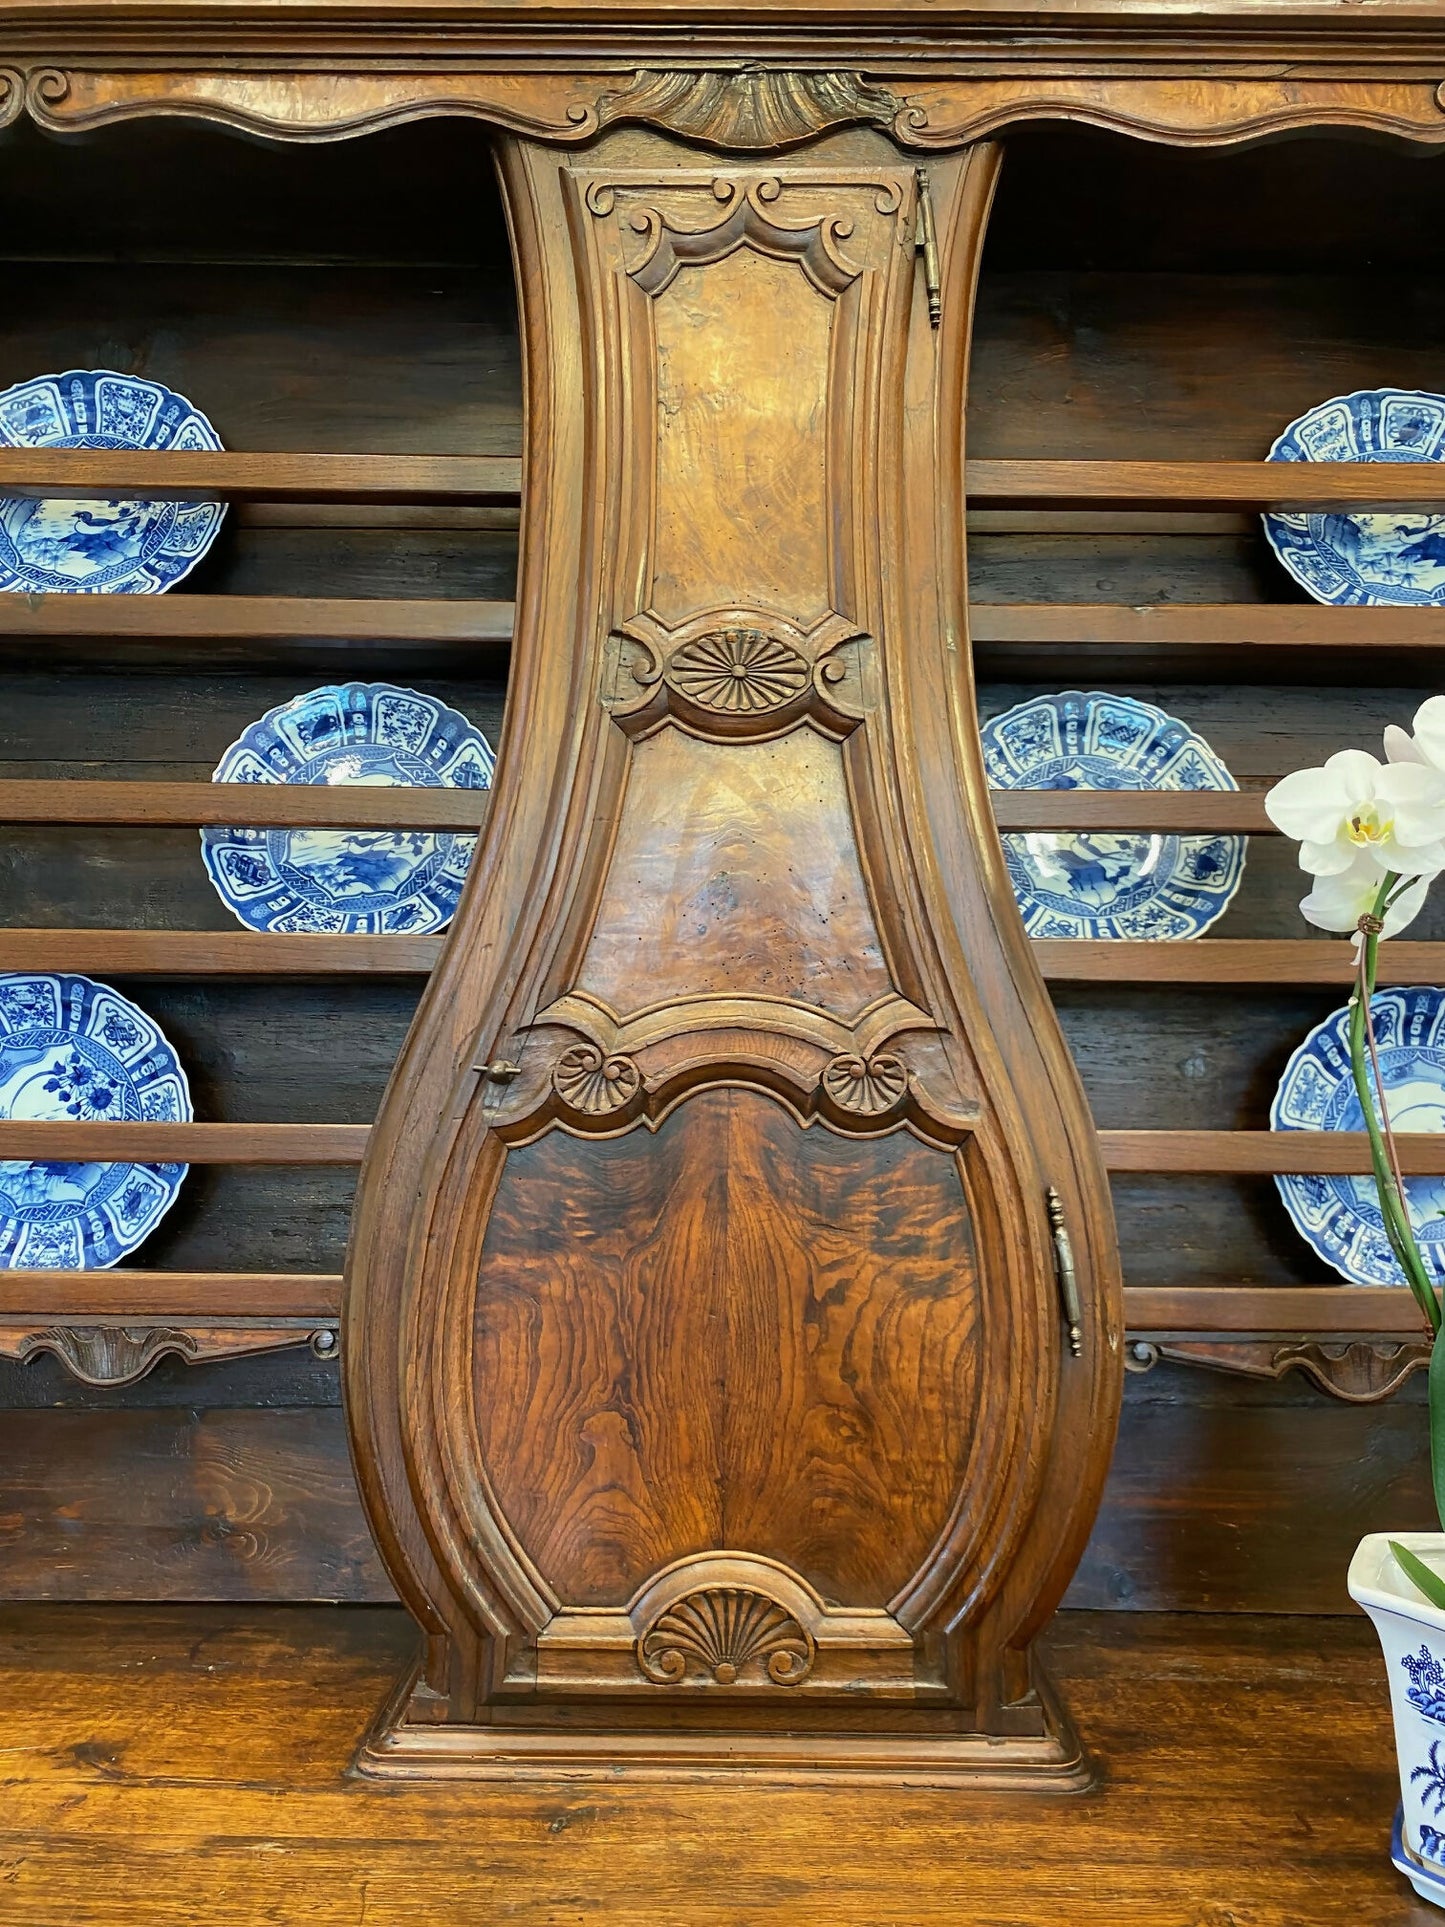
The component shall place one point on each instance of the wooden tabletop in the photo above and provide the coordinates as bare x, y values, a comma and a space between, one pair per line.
181, 1766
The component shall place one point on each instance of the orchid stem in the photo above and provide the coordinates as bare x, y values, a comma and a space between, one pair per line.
1384, 1156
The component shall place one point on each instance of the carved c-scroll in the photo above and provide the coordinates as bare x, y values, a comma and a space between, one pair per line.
12, 95
110, 1356
1359, 1371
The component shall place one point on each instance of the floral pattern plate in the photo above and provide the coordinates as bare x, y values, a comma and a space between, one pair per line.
71, 1048
1340, 1217
101, 548
1343, 559
358, 881
1099, 885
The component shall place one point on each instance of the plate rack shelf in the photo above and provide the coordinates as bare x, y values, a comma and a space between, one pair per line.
254, 624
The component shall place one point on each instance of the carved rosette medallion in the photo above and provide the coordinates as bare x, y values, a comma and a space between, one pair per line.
738, 671
592, 1084
866, 1086
725, 1632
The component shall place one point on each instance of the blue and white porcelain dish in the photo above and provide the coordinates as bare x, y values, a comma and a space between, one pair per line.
101, 548
1091, 884
1343, 559
75, 1050
1340, 1217
358, 881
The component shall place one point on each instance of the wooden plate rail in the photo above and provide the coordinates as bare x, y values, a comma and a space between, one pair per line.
435, 481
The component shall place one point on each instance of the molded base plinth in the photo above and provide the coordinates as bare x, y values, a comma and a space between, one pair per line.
399, 1749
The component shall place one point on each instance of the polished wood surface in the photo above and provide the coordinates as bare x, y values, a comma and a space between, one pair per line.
184, 477
211, 953
994, 484
256, 805
1184, 625
241, 618
1229, 960
145, 1741
737, 954
205, 1143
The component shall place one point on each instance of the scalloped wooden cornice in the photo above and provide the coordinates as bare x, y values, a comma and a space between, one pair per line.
755, 110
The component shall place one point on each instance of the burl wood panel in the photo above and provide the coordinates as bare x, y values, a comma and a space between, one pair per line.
706, 1356
722, 1336
736, 870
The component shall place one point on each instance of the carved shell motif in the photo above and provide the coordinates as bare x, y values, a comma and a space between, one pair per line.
741, 672
867, 1086
588, 1082
722, 1632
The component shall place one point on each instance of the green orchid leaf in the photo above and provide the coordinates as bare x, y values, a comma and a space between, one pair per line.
1429, 1582
1437, 1424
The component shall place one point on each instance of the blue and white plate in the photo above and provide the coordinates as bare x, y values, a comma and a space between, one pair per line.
101, 548
76, 1050
1090, 884
360, 881
1340, 1217
1339, 558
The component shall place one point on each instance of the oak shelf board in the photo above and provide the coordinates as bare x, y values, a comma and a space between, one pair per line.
162, 475
1238, 811
1298, 1153
139, 1295
1205, 485
216, 953
98, 1143
255, 805
1319, 1310
1205, 625
227, 618
1226, 960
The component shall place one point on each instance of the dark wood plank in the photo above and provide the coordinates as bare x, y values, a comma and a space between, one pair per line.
170, 477
216, 1740
1280, 1308
213, 953
1336, 1153
185, 1143
166, 1296
256, 805
237, 618
1268, 625
1205, 810
1203, 485
1227, 960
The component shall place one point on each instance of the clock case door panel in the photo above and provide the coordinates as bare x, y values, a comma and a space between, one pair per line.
708, 1374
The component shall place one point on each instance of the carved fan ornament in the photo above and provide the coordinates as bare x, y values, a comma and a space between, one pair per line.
722, 1632
738, 671
867, 1086
588, 1082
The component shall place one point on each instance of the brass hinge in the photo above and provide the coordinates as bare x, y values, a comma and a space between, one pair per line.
1068, 1277
925, 239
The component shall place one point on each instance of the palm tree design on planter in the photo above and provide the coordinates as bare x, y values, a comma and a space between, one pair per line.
1434, 1777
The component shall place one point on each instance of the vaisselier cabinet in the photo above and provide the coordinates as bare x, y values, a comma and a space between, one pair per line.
733, 1331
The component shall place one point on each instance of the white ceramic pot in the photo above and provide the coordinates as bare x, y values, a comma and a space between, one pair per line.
1412, 1632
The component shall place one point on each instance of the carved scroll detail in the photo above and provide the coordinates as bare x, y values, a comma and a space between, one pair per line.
749, 111
1360, 1371
594, 1085
724, 1631
867, 1086
115, 1355
12, 95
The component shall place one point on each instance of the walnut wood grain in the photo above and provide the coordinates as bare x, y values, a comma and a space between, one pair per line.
1335, 1153
164, 476
1280, 1308
135, 1294
238, 618
186, 1143
216, 953
1227, 960
1186, 625
1205, 485
255, 805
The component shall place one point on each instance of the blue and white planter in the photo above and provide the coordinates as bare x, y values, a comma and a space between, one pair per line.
1412, 1633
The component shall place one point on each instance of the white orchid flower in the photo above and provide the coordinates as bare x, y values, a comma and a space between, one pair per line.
1356, 810
1427, 745
1337, 902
